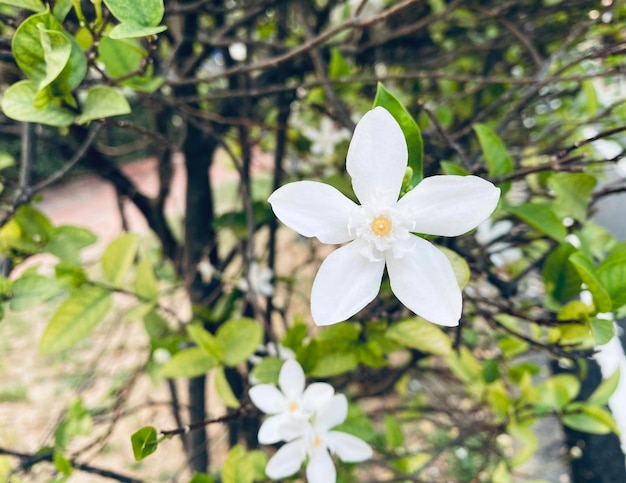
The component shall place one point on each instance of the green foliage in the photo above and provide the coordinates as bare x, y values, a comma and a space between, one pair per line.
243, 467
238, 338
139, 18
541, 217
75, 319
191, 362
118, 257
224, 390
144, 442
499, 161
419, 334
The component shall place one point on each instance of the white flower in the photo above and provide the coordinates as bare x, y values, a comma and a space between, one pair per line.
380, 229
260, 280
317, 442
326, 137
289, 406
501, 253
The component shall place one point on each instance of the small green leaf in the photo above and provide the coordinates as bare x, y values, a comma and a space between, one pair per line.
141, 12
145, 283
101, 102
409, 127
573, 192
57, 49
541, 217
612, 275
558, 390
587, 273
67, 241
453, 169
602, 394
419, 334
191, 362
499, 161
394, 436
31, 289
120, 57
589, 419
334, 363
239, 339
602, 330
237, 466
18, 104
206, 341
224, 390
560, 277
62, 464
267, 370
144, 442
118, 257
75, 319
34, 5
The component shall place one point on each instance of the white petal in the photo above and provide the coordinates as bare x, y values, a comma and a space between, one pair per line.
267, 398
291, 379
377, 158
349, 448
331, 414
316, 395
272, 430
313, 209
423, 280
345, 283
321, 468
450, 205
287, 460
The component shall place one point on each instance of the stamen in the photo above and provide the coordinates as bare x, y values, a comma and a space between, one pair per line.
381, 225
293, 407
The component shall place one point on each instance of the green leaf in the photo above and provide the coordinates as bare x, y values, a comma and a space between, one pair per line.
419, 334
145, 283
338, 67
499, 161
334, 363
34, 5
267, 370
394, 436
147, 13
239, 339
75, 319
144, 442
101, 102
602, 330
409, 127
573, 192
224, 391
191, 362
206, 341
602, 394
31, 289
57, 49
237, 466
34, 58
120, 57
201, 478
453, 169
558, 390
612, 275
526, 436
67, 241
589, 419
18, 104
118, 257
459, 266
541, 217
62, 464
587, 273
560, 277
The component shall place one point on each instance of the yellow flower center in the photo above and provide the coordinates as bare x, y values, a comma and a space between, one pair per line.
316, 441
381, 225
293, 407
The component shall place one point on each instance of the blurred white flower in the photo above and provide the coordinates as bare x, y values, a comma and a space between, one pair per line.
501, 253
260, 280
304, 419
290, 405
206, 271
380, 229
324, 139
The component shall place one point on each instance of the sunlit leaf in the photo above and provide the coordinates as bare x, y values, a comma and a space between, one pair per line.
101, 102
75, 319
144, 442
239, 339
118, 257
419, 334
224, 391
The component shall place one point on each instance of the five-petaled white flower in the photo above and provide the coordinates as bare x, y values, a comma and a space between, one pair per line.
304, 419
381, 229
